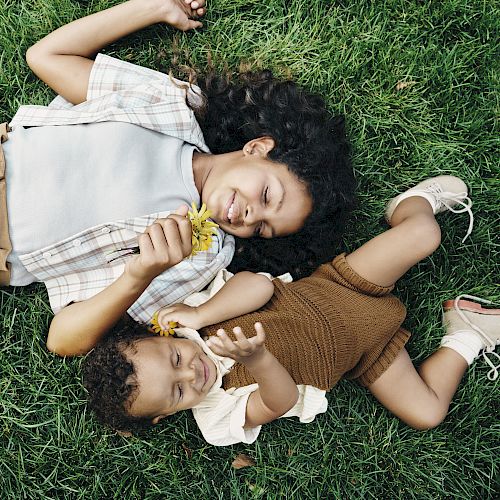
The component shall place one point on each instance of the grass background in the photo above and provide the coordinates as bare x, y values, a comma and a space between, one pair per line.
443, 121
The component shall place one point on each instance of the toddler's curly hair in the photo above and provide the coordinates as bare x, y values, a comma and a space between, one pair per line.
308, 140
109, 378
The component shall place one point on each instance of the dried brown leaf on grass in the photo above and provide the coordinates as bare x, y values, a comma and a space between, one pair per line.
243, 461
125, 434
405, 84
188, 451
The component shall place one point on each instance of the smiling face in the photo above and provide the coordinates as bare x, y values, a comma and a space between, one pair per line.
249, 195
172, 374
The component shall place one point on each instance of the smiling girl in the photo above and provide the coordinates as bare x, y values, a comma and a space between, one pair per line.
101, 170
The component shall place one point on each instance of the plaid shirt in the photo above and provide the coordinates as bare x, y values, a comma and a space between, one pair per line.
82, 265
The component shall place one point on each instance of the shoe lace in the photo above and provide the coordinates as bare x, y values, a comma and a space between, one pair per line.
488, 351
447, 199
493, 373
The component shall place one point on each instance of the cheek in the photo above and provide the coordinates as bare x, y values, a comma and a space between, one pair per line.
240, 232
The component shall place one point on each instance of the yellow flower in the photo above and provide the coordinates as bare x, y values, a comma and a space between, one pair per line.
155, 326
203, 229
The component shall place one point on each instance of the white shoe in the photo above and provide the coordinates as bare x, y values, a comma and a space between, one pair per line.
444, 192
465, 316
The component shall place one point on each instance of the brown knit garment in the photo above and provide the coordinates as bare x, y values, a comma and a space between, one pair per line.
331, 324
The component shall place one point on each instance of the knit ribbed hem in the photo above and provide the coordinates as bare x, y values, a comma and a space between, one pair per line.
386, 358
346, 271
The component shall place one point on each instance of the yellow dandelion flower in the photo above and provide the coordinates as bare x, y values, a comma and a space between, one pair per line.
156, 328
203, 229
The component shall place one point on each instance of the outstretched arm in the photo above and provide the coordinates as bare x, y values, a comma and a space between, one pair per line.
245, 292
78, 327
63, 58
277, 392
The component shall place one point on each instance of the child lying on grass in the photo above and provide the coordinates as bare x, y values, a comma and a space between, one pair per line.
340, 322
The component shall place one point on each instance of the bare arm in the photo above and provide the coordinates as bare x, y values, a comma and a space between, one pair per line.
63, 58
277, 392
245, 292
79, 326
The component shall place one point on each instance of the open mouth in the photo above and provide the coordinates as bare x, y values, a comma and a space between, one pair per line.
229, 209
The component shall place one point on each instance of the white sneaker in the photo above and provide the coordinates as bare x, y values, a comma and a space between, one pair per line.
444, 192
465, 316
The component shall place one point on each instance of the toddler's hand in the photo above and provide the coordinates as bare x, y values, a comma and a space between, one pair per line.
182, 314
243, 350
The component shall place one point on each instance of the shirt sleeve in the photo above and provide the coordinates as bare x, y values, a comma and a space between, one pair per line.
221, 417
109, 75
179, 282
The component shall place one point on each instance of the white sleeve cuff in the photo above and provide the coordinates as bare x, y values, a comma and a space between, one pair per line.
237, 423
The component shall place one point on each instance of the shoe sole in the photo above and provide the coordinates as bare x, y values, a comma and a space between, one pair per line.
467, 305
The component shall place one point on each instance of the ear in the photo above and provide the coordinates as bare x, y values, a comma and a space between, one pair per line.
260, 146
157, 419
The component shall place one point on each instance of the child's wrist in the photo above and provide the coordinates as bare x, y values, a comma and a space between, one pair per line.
200, 320
258, 360
155, 10
203, 315
135, 282
159, 9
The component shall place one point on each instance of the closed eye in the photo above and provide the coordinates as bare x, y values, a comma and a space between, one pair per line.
266, 196
180, 392
178, 359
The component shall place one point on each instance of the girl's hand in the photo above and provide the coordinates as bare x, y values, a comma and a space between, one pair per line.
181, 14
180, 313
247, 351
163, 244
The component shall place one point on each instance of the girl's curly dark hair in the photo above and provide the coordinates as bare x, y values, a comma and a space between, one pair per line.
108, 377
308, 140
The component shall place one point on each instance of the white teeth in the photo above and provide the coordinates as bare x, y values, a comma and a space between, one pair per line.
230, 211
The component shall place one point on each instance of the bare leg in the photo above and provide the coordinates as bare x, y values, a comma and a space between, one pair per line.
420, 398
414, 235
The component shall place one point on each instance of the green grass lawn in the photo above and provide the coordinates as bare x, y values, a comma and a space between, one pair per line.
442, 121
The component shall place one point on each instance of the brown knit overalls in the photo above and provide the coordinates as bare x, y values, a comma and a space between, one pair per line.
329, 325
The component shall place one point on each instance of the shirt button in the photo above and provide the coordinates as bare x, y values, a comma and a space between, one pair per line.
46, 255
77, 243
105, 230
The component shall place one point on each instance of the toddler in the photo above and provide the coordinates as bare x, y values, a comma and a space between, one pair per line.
340, 322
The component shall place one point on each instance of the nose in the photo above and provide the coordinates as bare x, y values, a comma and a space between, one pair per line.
188, 374
253, 215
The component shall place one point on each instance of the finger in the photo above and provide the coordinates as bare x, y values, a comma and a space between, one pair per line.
156, 233
185, 230
243, 343
181, 210
216, 346
195, 4
261, 334
190, 24
227, 343
166, 242
164, 317
145, 244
